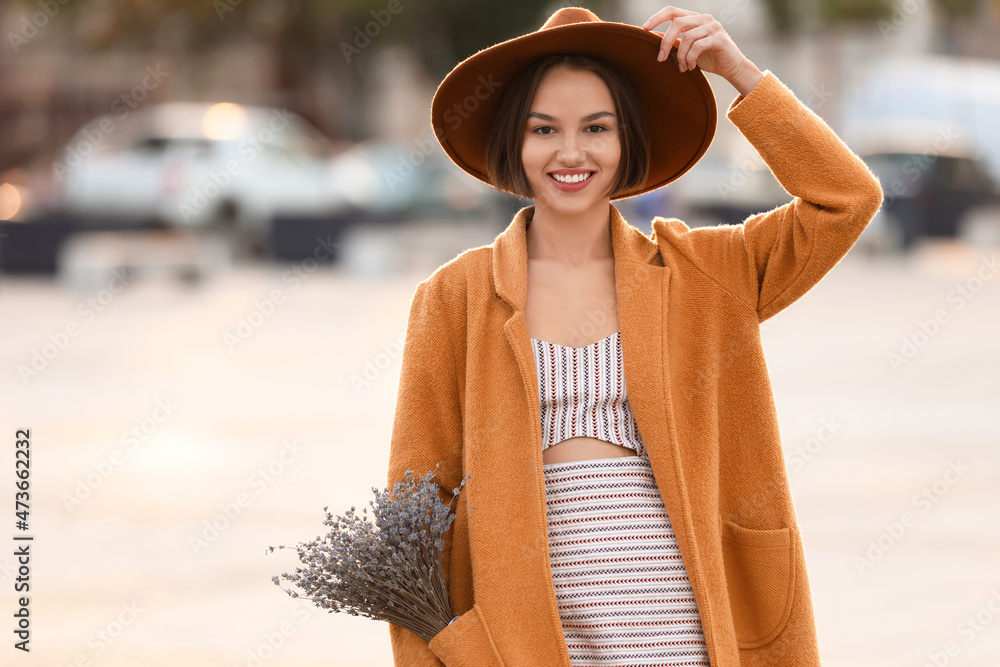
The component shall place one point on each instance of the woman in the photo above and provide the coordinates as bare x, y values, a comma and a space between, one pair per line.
606, 522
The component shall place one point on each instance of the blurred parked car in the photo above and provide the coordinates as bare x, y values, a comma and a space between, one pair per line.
17, 195
931, 201
927, 126
25, 246
389, 183
933, 177
196, 166
191, 165
385, 180
715, 191
721, 191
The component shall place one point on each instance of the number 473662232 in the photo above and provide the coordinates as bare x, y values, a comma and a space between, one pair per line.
22, 470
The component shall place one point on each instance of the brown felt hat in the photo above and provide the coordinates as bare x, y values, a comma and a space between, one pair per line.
679, 106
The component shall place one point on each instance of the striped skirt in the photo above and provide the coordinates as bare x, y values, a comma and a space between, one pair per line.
624, 595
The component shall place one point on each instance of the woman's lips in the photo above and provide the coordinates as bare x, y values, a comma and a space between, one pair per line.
571, 187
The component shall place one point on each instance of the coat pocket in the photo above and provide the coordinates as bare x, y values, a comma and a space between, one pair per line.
466, 642
760, 577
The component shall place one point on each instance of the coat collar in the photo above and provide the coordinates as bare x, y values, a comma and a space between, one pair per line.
510, 253
642, 287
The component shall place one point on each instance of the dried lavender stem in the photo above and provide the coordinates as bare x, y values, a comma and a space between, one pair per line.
391, 570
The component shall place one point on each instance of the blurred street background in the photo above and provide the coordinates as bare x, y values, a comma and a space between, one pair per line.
212, 220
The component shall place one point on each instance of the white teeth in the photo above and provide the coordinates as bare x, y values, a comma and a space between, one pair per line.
576, 178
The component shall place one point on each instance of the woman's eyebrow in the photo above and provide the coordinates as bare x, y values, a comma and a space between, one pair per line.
593, 116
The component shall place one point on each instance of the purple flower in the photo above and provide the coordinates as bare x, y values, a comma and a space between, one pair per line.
390, 569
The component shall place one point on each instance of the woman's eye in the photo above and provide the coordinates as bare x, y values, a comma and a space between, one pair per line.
538, 130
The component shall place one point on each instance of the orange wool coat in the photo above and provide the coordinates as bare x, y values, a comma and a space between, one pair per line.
690, 302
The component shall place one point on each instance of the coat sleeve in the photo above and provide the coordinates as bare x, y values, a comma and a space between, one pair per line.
773, 258
426, 430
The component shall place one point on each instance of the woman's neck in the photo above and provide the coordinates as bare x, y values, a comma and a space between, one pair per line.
575, 238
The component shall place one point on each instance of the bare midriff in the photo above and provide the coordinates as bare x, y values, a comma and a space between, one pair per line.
582, 448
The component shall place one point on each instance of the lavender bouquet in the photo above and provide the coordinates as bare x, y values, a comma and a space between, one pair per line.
391, 570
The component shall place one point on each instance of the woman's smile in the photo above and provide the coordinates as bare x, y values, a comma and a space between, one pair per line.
570, 180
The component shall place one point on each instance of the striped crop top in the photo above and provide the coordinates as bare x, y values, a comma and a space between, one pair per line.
582, 392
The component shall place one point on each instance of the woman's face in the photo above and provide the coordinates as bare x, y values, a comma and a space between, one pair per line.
571, 128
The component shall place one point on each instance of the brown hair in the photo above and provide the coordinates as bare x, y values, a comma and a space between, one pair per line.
503, 147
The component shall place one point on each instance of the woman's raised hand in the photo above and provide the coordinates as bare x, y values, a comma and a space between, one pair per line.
702, 41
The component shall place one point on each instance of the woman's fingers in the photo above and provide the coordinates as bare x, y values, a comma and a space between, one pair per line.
666, 14
677, 26
696, 41
697, 37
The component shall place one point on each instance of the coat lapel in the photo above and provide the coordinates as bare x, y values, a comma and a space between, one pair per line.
641, 284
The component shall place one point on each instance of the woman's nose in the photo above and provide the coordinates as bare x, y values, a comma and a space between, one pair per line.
571, 148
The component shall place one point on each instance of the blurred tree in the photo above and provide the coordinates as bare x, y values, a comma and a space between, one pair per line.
854, 11
444, 32
957, 22
782, 14
307, 38
439, 33
786, 16
959, 8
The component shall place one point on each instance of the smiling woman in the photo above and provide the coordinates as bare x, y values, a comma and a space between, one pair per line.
573, 82
583, 374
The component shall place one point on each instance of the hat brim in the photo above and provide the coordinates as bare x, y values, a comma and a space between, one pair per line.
680, 106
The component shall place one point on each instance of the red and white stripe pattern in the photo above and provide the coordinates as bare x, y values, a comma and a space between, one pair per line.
582, 393
623, 592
